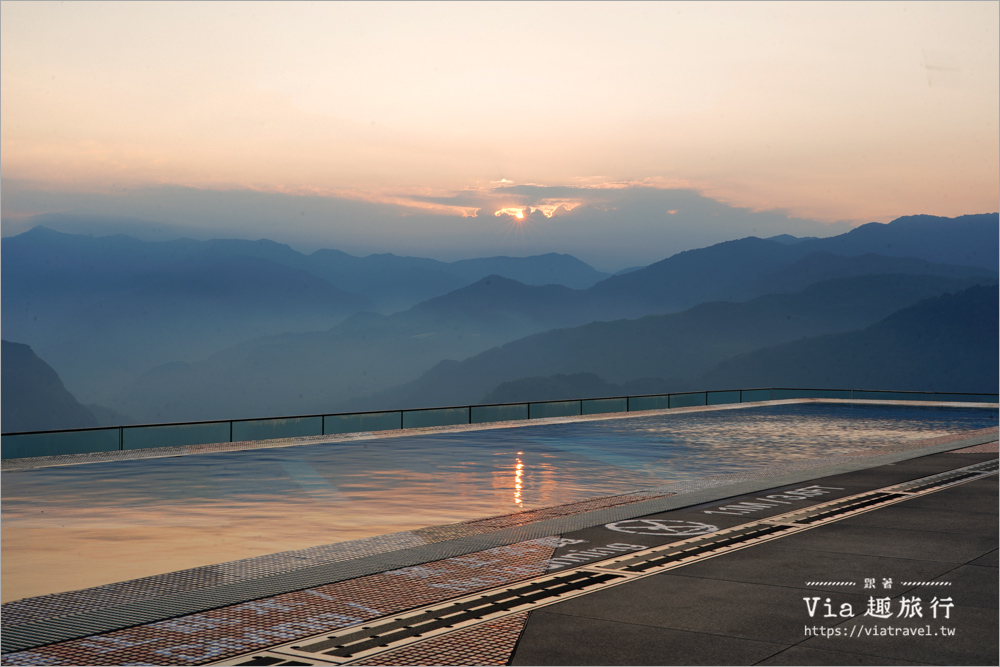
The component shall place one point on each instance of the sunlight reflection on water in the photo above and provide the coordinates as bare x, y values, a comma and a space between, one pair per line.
160, 515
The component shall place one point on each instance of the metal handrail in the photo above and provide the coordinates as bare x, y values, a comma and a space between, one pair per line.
629, 399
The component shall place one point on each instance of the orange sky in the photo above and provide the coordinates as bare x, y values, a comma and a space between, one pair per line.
831, 111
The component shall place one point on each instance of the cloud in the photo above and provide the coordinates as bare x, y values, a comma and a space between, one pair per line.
609, 227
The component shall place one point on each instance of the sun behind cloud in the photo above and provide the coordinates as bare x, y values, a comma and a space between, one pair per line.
513, 212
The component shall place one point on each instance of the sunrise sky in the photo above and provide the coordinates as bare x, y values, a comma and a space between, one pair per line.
620, 132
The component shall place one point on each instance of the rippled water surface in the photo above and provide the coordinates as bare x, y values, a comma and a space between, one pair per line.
75, 526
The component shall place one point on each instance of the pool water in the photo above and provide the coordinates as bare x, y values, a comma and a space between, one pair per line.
71, 527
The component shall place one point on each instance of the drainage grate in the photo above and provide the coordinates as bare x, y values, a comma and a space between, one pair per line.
272, 659
358, 642
993, 465
722, 541
941, 482
347, 645
395, 631
842, 507
268, 660
950, 477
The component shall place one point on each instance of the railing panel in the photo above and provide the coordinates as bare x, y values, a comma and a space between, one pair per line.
688, 400
597, 406
754, 395
554, 409
482, 414
784, 394
435, 417
638, 403
272, 429
894, 395
174, 435
722, 397
21, 445
968, 398
365, 421
923, 396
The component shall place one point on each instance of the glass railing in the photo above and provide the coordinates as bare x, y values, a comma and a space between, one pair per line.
88, 440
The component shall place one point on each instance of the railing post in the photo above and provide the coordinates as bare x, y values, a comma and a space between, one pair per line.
121, 441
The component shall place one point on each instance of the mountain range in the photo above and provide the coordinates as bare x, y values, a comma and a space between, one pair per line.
677, 349
946, 343
185, 330
104, 310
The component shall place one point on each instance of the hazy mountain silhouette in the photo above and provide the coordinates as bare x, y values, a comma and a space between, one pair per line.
33, 396
388, 282
248, 328
579, 385
724, 271
106, 309
681, 345
184, 309
788, 239
968, 239
818, 266
292, 373
945, 343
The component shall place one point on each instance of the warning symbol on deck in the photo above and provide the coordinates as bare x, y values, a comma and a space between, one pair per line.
662, 527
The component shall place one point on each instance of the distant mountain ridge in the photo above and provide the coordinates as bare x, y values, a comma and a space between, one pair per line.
230, 328
34, 398
969, 240
677, 347
946, 343
380, 278
724, 271
105, 309
367, 352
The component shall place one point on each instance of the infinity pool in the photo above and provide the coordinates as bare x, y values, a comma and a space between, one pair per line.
71, 527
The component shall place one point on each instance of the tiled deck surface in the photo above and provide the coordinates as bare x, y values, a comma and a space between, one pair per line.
741, 608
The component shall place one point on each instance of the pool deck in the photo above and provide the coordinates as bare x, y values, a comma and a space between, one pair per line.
767, 604
930, 549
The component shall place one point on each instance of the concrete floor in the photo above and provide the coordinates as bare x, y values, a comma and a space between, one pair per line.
747, 607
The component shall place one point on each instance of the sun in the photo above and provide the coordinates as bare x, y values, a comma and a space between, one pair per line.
512, 212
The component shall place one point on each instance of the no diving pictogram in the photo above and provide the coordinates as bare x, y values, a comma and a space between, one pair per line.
662, 527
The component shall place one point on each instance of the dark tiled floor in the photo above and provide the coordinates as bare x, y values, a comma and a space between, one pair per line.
800, 655
752, 606
893, 543
978, 496
555, 639
974, 642
726, 608
992, 559
775, 564
910, 517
